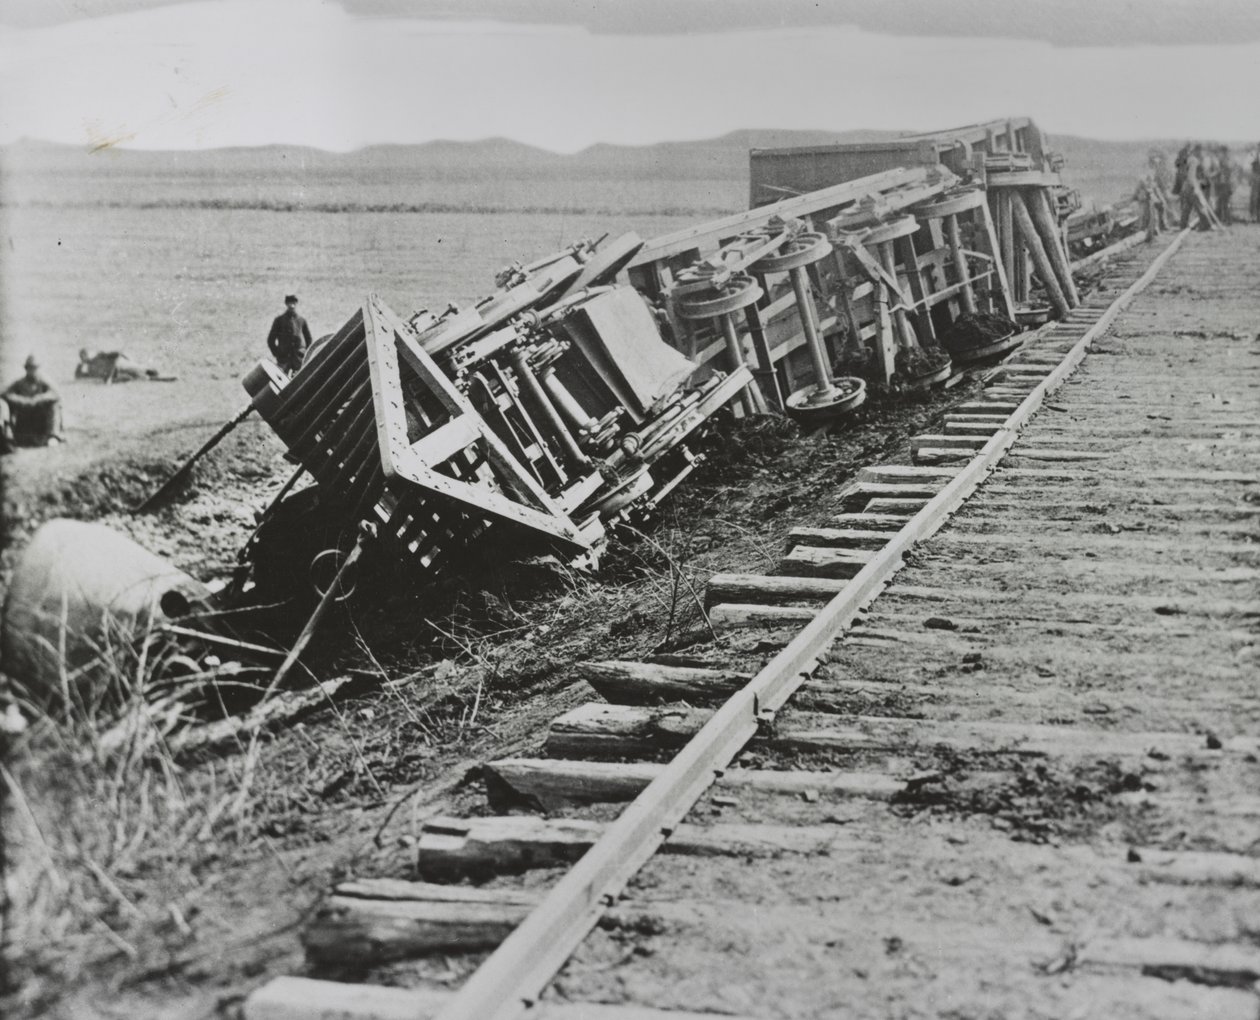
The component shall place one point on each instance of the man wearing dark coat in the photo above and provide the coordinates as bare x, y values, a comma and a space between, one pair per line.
30, 411
289, 338
1253, 206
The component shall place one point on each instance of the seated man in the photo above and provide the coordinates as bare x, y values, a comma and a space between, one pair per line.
30, 410
113, 366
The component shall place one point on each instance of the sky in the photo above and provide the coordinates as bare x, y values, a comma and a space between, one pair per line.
565, 74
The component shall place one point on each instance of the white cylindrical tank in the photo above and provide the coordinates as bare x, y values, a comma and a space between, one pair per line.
75, 585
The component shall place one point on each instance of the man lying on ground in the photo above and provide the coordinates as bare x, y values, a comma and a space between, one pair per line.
114, 366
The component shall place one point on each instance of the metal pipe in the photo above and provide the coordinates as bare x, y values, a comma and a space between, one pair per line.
1023, 261
531, 385
315, 417
565, 402
308, 387
754, 402
365, 505
805, 305
351, 429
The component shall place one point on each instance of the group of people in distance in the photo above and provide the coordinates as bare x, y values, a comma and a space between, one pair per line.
30, 408
1206, 176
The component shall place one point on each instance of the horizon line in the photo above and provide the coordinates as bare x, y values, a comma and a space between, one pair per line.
890, 133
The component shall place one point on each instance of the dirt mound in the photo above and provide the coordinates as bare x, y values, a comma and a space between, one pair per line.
913, 363
209, 515
978, 330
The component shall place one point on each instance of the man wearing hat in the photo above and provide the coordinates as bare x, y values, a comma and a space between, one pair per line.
289, 338
30, 410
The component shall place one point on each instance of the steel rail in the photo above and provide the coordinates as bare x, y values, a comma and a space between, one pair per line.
511, 980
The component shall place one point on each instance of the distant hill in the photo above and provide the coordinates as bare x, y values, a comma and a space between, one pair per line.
724, 156
1103, 170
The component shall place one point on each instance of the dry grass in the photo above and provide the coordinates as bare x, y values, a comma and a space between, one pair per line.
112, 831
107, 834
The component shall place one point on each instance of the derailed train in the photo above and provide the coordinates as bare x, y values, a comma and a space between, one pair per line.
530, 423
541, 417
568, 400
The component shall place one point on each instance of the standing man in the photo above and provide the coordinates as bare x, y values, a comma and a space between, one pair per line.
1254, 205
1162, 177
1152, 206
1224, 186
1187, 175
1179, 181
30, 411
289, 338
1208, 165
1192, 197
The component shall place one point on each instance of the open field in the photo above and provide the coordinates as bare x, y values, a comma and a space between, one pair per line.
183, 267
186, 272
194, 290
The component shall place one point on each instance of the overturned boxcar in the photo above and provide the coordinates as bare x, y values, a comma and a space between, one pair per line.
548, 412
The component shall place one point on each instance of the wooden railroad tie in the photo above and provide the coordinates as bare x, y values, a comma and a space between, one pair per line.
552, 783
731, 616
1124, 601
762, 590
975, 418
875, 522
815, 561
907, 507
858, 490
298, 998
598, 730
452, 849
649, 683
373, 922
845, 538
972, 428
942, 455
988, 407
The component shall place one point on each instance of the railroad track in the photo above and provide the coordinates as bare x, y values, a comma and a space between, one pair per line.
892, 829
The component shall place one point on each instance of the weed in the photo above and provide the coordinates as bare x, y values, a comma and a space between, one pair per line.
107, 833
682, 584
